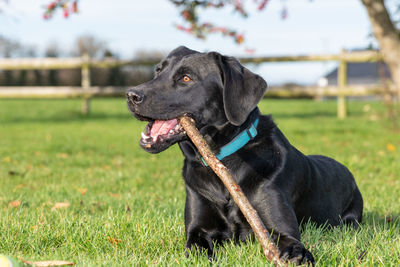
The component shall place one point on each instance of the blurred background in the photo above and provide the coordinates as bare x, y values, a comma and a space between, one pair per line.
74, 183
127, 29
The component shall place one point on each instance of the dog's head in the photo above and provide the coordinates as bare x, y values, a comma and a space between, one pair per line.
211, 88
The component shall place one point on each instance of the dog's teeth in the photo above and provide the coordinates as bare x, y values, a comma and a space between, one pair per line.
144, 136
171, 131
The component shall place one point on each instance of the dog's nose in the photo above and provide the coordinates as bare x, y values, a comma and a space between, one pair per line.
135, 97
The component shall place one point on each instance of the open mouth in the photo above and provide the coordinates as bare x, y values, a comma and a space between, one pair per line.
160, 131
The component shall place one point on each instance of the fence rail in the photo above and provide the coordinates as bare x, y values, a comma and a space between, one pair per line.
94, 91
86, 91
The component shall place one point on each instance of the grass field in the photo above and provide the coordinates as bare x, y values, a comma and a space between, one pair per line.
79, 188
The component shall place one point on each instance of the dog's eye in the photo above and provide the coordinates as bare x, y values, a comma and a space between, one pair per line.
186, 79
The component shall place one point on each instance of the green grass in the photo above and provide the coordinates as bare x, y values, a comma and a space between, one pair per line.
132, 211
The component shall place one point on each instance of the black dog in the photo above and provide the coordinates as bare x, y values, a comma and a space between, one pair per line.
283, 185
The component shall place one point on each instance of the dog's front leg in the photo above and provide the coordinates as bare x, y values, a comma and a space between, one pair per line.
205, 224
280, 219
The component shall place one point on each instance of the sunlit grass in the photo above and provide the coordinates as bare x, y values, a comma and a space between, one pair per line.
126, 206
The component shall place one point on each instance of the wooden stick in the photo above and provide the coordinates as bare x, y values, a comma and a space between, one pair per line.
267, 244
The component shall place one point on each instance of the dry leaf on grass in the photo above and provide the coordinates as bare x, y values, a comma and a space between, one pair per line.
117, 196
391, 147
113, 241
82, 191
127, 209
60, 205
19, 186
48, 263
62, 155
15, 203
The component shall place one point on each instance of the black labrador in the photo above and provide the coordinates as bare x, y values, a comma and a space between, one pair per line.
283, 185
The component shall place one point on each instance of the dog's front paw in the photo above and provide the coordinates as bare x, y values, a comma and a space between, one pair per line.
296, 253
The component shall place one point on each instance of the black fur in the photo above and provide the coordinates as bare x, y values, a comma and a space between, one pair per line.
284, 186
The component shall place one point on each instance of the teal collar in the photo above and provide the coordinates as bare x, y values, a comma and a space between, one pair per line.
238, 142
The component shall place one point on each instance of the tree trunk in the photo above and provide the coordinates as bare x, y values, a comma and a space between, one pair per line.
388, 37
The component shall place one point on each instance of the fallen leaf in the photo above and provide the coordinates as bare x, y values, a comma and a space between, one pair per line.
19, 186
82, 191
391, 147
97, 204
127, 209
29, 167
35, 228
60, 205
48, 263
62, 155
114, 195
106, 167
113, 241
390, 219
15, 203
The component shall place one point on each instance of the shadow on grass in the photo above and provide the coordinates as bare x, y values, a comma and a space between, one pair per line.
68, 116
76, 116
303, 115
373, 219
310, 115
370, 220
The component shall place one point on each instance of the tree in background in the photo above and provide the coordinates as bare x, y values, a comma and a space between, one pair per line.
387, 34
385, 28
52, 50
10, 48
90, 45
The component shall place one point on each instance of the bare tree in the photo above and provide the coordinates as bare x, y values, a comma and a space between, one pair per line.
8, 47
89, 44
384, 27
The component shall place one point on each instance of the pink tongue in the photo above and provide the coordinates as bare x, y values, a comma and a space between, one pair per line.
162, 127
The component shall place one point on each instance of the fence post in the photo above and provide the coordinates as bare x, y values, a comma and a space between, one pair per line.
342, 83
85, 83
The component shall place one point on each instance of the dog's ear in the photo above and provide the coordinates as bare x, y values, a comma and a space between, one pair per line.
242, 89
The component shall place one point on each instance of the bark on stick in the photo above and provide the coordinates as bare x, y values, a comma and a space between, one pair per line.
267, 244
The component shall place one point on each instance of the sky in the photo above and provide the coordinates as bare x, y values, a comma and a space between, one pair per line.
312, 27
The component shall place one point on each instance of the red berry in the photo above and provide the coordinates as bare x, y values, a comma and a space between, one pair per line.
51, 6
186, 14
